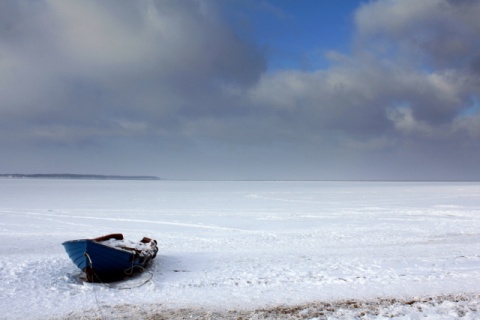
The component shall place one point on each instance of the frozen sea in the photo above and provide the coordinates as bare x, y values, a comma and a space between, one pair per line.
256, 249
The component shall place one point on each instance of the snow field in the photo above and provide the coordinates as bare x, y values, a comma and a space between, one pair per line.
242, 246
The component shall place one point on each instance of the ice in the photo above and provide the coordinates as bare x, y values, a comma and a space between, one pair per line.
255, 249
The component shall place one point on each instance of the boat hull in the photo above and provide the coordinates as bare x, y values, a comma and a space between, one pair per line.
104, 263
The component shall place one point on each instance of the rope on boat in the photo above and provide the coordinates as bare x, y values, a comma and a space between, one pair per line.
90, 264
127, 272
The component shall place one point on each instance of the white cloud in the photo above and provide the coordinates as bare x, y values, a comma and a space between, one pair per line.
405, 122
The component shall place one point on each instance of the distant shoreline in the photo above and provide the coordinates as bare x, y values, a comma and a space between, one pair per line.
76, 176
71, 176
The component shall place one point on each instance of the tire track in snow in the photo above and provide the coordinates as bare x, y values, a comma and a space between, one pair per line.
179, 224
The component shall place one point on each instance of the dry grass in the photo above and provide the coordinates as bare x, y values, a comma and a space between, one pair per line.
460, 305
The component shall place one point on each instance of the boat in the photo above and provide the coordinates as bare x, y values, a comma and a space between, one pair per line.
110, 257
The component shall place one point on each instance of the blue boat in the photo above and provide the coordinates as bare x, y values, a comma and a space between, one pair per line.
111, 257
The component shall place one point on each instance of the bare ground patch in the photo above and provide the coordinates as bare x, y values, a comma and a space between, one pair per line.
466, 306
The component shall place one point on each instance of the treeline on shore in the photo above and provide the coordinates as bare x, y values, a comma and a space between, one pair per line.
76, 176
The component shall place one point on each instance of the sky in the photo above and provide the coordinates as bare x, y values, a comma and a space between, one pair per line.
241, 89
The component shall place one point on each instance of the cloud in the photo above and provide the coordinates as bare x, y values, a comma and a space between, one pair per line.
407, 53
174, 77
93, 64
434, 44
435, 33
407, 94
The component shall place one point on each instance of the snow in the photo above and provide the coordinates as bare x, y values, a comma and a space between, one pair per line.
259, 250
141, 248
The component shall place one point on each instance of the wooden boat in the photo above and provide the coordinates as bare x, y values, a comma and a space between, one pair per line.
111, 257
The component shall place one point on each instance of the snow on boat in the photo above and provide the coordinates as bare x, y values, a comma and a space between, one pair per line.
110, 257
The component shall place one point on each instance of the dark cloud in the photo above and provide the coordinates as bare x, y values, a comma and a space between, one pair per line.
104, 61
155, 86
436, 33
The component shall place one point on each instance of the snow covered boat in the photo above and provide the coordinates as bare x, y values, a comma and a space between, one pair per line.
110, 257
